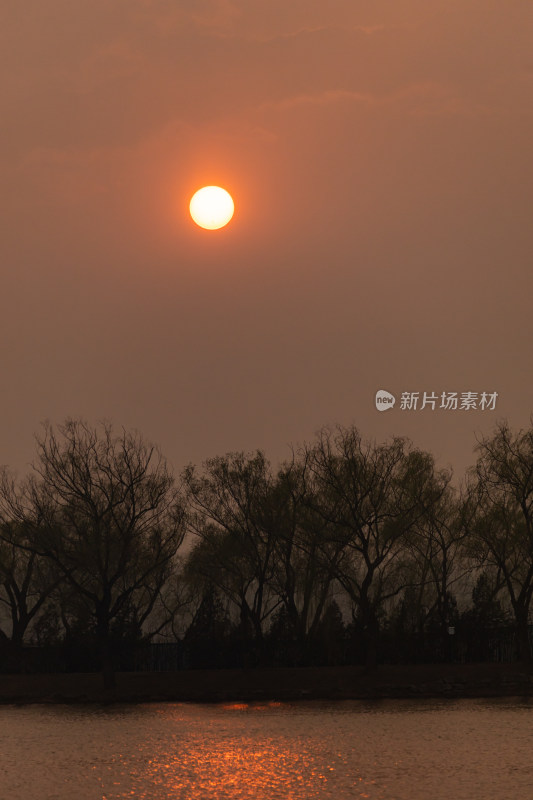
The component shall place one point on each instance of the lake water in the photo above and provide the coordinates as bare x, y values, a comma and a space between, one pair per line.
391, 750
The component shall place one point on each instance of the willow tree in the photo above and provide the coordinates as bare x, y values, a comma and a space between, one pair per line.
103, 509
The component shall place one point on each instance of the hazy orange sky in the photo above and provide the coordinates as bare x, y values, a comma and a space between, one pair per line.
380, 159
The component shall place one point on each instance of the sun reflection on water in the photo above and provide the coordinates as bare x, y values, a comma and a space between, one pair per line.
239, 751
232, 756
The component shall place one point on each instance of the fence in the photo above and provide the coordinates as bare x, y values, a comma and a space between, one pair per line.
499, 645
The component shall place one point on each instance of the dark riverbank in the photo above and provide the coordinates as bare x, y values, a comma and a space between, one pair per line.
328, 683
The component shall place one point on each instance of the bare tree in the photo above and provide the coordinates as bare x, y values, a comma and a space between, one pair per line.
304, 563
232, 515
369, 496
435, 542
501, 527
27, 580
176, 605
103, 509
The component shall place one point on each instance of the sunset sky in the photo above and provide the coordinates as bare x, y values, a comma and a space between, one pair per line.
379, 155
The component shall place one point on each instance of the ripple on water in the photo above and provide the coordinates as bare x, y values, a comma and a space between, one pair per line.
391, 750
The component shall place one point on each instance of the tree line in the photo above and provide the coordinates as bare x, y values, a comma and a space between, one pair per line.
100, 544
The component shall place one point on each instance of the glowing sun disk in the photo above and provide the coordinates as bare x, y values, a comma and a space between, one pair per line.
211, 207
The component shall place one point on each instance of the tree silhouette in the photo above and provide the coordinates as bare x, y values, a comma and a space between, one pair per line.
102, 508
231, 514
370, 496
27, 580
501, 529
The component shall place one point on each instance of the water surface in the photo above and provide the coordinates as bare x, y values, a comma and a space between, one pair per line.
391, 750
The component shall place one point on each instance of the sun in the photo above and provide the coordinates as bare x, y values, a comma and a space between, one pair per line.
211, 207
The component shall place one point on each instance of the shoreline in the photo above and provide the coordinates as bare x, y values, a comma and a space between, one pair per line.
283, 684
